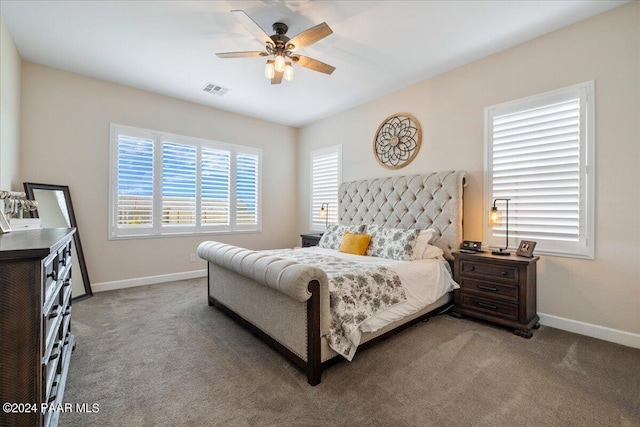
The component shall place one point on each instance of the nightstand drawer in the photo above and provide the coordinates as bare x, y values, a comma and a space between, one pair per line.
483, 270
489, 306
490, 289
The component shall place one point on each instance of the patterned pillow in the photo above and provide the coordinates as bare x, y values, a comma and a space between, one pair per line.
392, 243
332, 237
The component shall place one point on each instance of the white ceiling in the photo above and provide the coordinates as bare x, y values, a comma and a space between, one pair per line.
377, 47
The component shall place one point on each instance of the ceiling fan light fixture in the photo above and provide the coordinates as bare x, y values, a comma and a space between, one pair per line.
269, 69
288, 71
279, 63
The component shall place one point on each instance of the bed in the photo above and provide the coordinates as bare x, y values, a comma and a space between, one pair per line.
296, 300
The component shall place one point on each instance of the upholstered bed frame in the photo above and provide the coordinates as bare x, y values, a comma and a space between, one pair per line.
287, 303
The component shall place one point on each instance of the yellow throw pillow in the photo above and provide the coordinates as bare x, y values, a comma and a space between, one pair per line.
354, 243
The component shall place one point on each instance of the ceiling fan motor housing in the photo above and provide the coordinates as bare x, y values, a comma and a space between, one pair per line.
279, 38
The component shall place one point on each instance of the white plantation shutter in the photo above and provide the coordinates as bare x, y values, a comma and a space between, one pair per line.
178, 184
165, 184
326, 176
216, 169
135, 178
246, 189
538, 153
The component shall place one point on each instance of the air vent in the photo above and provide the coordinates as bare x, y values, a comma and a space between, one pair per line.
215, 89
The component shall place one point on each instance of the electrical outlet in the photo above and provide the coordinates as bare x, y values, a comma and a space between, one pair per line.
192, 257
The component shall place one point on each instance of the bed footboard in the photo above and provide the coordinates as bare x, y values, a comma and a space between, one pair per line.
283, 302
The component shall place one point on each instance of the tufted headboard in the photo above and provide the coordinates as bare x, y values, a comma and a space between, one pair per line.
413, 201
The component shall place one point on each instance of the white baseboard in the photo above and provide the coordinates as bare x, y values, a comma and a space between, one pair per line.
595, 331
150, 280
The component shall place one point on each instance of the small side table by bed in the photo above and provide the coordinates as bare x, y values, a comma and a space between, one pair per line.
311, 239
499, 289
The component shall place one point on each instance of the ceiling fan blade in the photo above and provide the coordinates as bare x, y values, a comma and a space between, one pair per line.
247, 54
277, 78
310, 36
255, 29
313, 64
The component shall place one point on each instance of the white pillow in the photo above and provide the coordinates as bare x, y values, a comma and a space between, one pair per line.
422, 243
433, 252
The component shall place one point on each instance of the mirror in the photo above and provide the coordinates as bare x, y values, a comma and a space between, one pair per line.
56, 210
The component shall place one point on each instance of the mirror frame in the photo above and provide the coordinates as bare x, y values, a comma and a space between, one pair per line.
28, 188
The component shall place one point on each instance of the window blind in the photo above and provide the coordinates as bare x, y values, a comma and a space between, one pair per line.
135, 177
325, 179
164, 184
178, 184
536, 164
246, 189
215, 166
540, 156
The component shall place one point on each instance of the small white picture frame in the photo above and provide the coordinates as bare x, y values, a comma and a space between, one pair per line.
4, 224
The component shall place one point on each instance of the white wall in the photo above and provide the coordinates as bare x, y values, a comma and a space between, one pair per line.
10, 63
604, 292
65, 141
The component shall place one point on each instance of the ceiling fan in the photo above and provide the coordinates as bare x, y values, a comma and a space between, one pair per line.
282, 48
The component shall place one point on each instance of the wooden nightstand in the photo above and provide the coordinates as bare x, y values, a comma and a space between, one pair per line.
500, 289
310, 239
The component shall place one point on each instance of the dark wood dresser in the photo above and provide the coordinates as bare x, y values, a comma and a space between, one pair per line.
310, 239
35, 315
500, 289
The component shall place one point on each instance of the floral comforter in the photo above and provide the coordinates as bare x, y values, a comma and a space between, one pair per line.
356, 292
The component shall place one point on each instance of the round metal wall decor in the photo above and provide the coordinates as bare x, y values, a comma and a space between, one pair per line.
397, 141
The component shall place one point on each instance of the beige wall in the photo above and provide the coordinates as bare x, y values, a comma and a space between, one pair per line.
10, 63
65, 141
605, 48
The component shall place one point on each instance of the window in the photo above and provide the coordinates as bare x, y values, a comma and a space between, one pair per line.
163, 184
326, 176
540, 155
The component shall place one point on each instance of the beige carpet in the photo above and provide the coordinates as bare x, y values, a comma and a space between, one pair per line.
160, 356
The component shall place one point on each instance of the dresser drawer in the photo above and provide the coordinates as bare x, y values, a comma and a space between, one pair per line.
50, 368
50, 277
484, 270
490, 289
52, 320
489, 306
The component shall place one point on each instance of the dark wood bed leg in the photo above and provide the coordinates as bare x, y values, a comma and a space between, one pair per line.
314, 365
210, 300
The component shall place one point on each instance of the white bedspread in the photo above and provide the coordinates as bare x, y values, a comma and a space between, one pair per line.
424, 281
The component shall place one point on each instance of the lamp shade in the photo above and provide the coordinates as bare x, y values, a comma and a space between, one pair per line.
495, 217
269, 69
279, 63
288, 71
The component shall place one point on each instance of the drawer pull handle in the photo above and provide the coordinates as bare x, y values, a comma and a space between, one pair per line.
488, 288
63, 261
67, 283
52, 399
66, 313
485, 305
504, 273
55, 313
53, 274
472, 268
54, 356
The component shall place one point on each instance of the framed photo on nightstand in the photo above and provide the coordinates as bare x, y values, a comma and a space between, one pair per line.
526, 248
